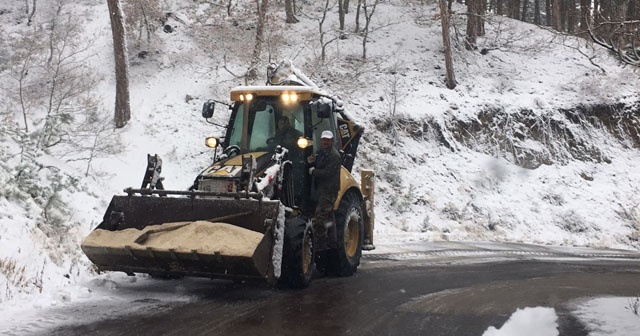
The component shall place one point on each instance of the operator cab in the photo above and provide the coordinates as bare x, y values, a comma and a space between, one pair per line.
260, 115
266, 118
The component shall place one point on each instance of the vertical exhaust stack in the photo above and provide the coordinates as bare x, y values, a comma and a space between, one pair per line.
367, 183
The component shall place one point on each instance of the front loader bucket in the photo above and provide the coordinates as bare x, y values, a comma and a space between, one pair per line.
187, 236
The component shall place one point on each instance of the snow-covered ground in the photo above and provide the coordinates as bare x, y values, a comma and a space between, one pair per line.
428, 192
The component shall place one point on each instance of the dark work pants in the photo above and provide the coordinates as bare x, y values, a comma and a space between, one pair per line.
324, 216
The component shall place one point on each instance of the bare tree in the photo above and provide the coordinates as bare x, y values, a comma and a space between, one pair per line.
50, 84
66, 81
571, 13
122, 107
513, 8
261, 15
499, 7
394, 98
537, 16
94, 138
357, 28
142, 16
341, 14
475, 21
618, 35
444, 17
323, 41
290, 13
585, 15
547, 10
556, 15
368, 14
25, 59
31, 13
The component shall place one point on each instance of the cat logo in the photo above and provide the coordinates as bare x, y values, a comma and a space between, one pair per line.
344, 131
223, 171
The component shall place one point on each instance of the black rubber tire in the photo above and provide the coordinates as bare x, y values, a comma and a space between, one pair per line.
344, 260
298, 254
286, 194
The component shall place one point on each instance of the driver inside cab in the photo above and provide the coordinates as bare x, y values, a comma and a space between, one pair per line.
286, 134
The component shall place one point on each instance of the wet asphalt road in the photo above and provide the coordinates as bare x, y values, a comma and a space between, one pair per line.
436, 292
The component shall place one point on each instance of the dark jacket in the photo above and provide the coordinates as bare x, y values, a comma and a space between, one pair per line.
327, 172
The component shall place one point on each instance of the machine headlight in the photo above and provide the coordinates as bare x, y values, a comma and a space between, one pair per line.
246, 97
304, 143
289, 98
212, 142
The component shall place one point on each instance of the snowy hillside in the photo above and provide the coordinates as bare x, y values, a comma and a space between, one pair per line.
502, 157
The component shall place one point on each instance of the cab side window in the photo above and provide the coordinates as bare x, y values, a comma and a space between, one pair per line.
264, 127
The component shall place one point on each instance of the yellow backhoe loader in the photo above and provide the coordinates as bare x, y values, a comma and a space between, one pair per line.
248, 215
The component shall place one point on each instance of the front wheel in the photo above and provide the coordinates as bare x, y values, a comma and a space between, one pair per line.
298, 255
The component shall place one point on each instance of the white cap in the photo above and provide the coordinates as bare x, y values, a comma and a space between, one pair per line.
326, 135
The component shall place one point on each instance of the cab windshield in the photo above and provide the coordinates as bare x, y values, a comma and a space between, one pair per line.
268, 120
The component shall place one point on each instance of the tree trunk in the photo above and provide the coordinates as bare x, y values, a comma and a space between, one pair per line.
122, 109
33, 11
262, 5
475, 22
341, 12
555, 13
585, 15
288, 8
514, 9
444, 17
357, 28
562, 8
627, 29
368, 14
547, 6
571, 12
525, 11
634, 10
323, 45
537, 16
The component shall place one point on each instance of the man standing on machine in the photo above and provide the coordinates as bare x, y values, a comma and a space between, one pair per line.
327, 182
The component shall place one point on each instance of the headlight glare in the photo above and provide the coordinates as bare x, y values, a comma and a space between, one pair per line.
211, 142
303, 142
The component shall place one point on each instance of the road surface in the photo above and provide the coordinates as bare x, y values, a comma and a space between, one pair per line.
423, 288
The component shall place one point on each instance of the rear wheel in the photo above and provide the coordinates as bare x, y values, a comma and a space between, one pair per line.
298, 255
345, 259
